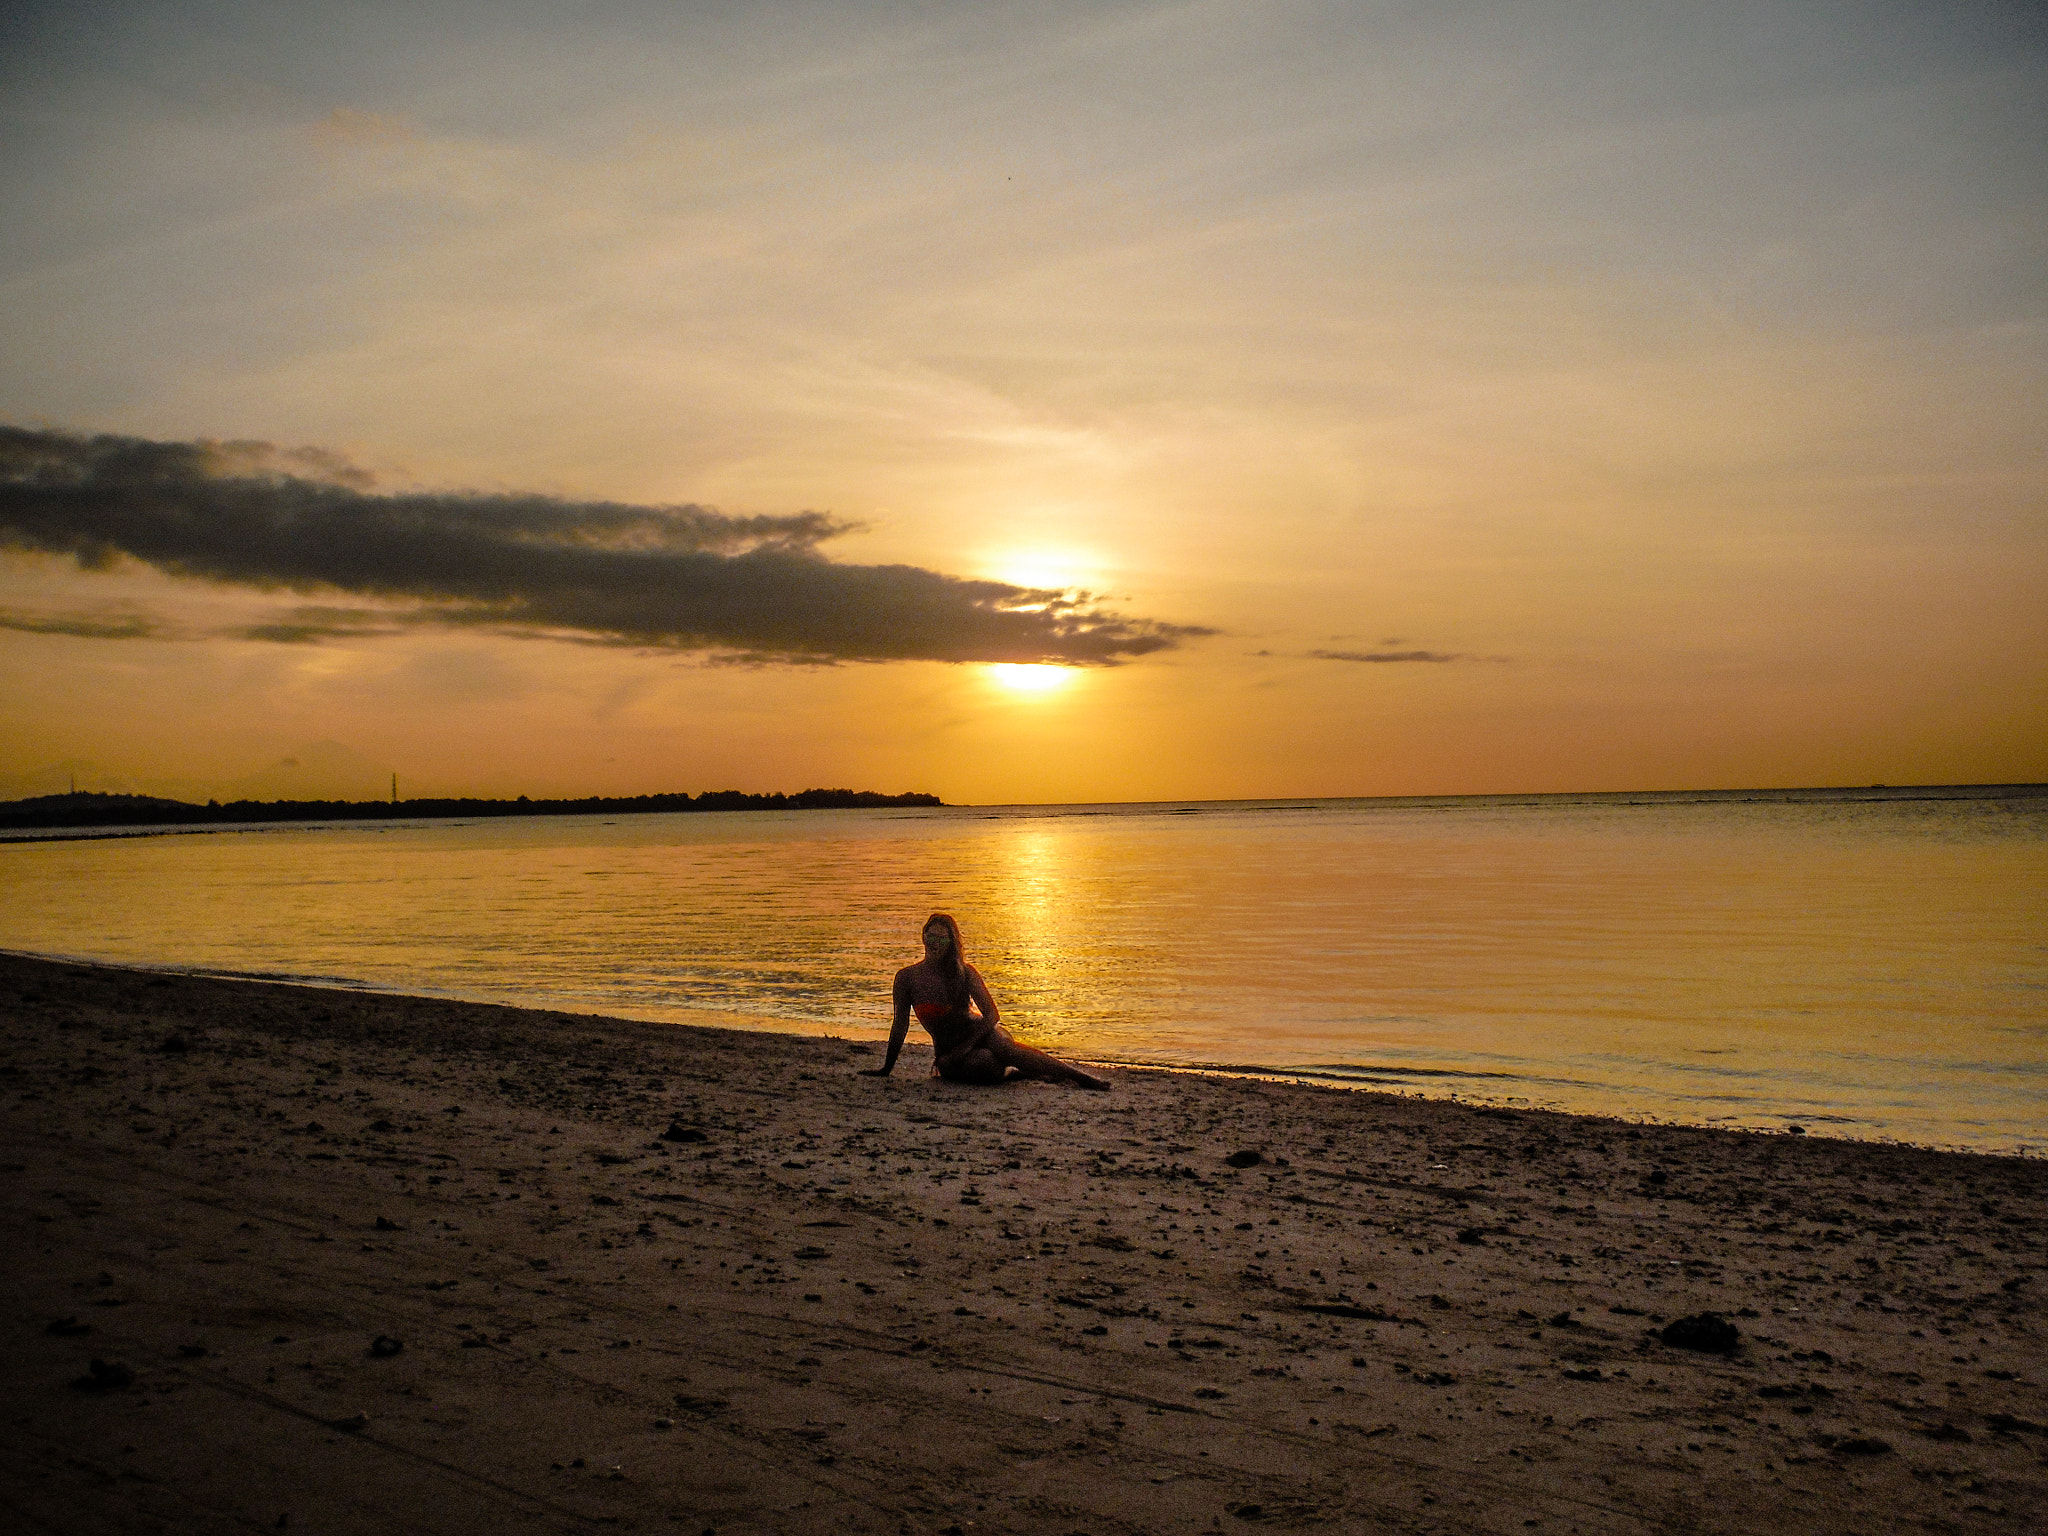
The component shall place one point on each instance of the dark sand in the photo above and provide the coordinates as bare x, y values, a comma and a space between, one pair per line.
902, 1306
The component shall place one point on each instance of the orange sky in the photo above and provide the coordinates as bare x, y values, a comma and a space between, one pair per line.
1654, 393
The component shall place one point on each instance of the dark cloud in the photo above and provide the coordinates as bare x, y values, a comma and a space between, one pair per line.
681, 578
1386, 655
82, 626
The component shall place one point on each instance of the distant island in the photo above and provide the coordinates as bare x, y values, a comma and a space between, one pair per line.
89, 808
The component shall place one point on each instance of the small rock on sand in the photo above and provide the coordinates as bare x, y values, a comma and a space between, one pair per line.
105, 1376
1708, 1332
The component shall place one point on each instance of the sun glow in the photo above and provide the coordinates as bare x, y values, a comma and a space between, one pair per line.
1066, 571
1030, 679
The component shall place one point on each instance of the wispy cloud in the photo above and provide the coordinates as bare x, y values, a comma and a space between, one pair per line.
685, 578
1387, 656
308, 626
82, 626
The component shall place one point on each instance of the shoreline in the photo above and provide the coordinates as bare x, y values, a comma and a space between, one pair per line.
1371, 1079
849, 1304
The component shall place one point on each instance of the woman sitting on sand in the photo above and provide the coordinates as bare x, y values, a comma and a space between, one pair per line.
968, 1046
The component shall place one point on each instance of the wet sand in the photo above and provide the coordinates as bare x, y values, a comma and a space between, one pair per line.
362, 1263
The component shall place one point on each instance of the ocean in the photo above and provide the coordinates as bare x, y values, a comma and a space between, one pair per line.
1867, 963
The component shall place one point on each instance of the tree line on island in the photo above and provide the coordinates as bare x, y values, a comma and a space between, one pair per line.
89, 808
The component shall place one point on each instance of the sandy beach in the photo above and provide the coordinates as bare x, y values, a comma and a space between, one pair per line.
352, 1262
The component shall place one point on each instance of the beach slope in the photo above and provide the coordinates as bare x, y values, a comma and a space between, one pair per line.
315, 1260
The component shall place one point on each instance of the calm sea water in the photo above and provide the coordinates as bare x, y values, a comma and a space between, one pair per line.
1857, 963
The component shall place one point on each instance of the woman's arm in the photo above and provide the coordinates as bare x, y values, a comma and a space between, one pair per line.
898, 1027
978, 990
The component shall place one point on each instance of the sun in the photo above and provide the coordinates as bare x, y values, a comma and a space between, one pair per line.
1030, 679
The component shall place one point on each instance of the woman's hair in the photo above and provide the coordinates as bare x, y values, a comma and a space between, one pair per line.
956, 961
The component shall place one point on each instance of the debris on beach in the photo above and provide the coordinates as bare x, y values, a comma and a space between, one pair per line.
105, 1376
1708, 1333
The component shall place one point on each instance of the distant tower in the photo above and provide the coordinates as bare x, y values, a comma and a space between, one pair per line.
394, 789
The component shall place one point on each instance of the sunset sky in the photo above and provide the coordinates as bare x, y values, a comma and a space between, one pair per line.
1326, 398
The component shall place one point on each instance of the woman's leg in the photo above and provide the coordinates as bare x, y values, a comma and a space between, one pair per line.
1032, 1062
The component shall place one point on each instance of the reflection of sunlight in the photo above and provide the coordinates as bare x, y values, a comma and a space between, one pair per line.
1032, 911
1030, 679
